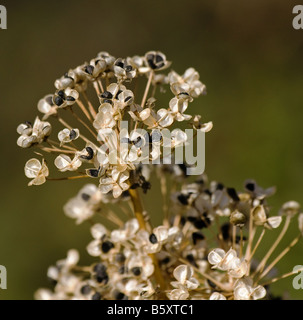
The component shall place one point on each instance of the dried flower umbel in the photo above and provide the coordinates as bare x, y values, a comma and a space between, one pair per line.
206, 246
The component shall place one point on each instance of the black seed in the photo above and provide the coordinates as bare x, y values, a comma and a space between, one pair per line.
138, 142
58, 101
94, 173
151, 64
225, 231
207, 191
134, 186
183, 93
89, 69
119, 64
238, 238
86, 289
90, 154
122, 270
150, 60
146, 186
85, 196
125, 194
101, 274
106, 95
29, 124
211, 284
250, 186
70, 98
165, 260
102, 278
197, 236
96, 296
192, 219
128, 68
119, 295
220, 186
159, 58
72, 134
233, 194
99, 267
136, 271
200, 224
61, 94
153, 239
106, 246
120, 91
183, 167
183, 199
107, 101
191, 259
182, 221
120, 257
127, 98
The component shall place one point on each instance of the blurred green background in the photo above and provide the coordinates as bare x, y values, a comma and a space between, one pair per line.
249, 57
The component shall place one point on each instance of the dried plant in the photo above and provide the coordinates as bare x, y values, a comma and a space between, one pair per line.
205, 247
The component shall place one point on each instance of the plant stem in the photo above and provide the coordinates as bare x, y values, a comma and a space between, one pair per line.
147, 89
273, 247
257, 244
138, 210
280, 256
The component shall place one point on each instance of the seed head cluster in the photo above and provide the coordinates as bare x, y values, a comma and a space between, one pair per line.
206, 247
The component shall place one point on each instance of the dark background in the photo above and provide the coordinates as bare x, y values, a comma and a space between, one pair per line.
248, 55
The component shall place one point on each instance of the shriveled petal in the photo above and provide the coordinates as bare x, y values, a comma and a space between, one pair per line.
290, 208
72, 257
183, 272
117, 191
216, 256
98, 231
44, 294
94, 248
161, 233
45, 104
217, 296
32, 168
192, 284
242, 293
238, 268
178, 294
274, 222
259, 215
165, 118
62, 161
206, 127
258, 293
228, 260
